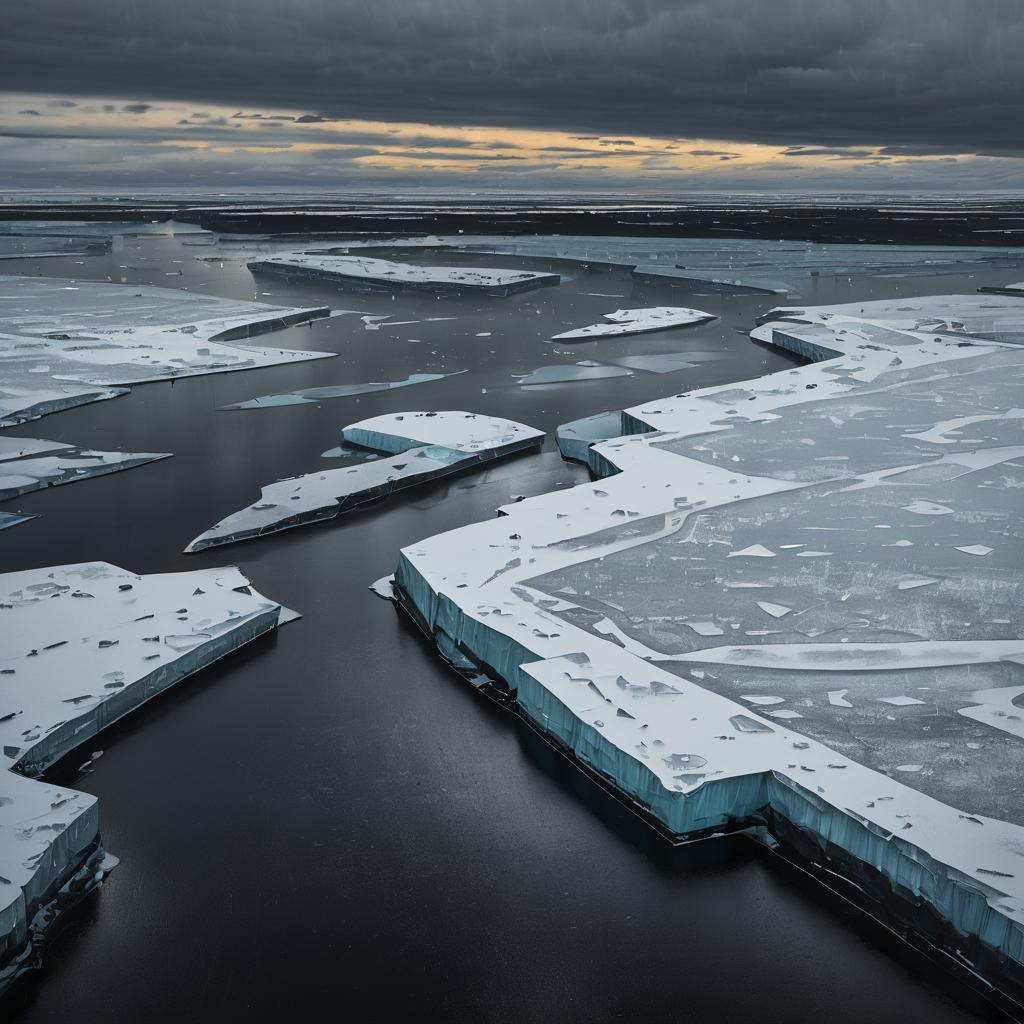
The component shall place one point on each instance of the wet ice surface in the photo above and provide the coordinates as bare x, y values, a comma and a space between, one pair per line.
838, 544
65, 343
637, 321
52, 242
376, 273
28, 464
310, 396
80, 646
423, 445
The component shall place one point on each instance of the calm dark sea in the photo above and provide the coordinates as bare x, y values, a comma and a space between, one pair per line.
330, 824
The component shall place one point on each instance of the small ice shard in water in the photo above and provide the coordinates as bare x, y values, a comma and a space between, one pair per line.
837, 698
637, 321
775, 610
927, 508
976, 549
754, 551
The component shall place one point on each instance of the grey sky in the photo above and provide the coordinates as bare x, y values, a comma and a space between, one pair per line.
929, 77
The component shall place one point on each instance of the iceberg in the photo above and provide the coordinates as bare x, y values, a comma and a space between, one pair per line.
81, 646
755, 540
637, 321
422, 446
65, 343
378, 274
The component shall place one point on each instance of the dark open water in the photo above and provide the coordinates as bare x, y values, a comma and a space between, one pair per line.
330, 824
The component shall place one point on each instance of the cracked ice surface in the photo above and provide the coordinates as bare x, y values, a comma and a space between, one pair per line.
422, 446
64, 343
637, 321
81, 646
29, 464
375, 273
772, 544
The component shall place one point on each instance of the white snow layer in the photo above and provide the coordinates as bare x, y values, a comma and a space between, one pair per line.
81, 646
64, 343
724, 473
422, 446
637, 321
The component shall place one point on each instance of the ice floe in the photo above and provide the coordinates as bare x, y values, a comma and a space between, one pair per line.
637, 321
379, 274
421, 446
28, 464
733, 264
80, 647
312, 396
64, 343
628, 617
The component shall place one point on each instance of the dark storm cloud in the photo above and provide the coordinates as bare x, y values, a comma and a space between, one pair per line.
942, 75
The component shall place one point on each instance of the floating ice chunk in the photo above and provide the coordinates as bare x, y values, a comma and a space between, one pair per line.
384, 274
784, 713
704, 628
71, 667
637, 321
908, 767
927, 508
837, 698
570, 373
93, 338
8, 519
744, 723
753, 551
424, 446
913, 581
901, 701
23, 240
975, 549
51, 463
383, 587
761, 699
775, 610
311, 396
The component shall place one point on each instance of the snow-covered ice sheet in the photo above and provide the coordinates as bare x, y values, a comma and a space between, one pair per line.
64, 343
637, 321
81, 646
378, 274
28, 464
311, 396
715, 264
34, 244
776, 540
422, 446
